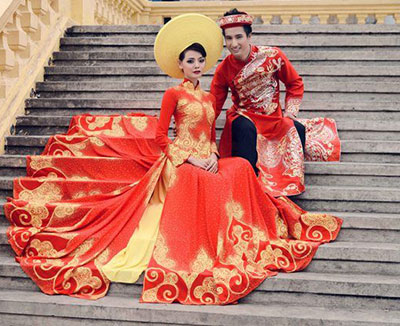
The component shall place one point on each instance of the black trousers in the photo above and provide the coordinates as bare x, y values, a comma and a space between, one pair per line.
244, 139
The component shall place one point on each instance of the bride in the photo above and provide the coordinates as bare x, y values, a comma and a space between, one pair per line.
115, 198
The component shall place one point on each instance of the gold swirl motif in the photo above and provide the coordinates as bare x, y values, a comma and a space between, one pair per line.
234, 210
170, 279
297, 230
281, 226
140, 123
83, 248
37, 213
41, 162
45, 193
96, 141
44, 249
207, 292
94, 122
83, 276
268, 256
326, 221
65, 209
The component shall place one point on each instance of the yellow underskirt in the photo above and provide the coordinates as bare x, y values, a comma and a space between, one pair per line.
128, 264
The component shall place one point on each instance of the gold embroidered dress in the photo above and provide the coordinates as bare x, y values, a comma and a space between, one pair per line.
105, 203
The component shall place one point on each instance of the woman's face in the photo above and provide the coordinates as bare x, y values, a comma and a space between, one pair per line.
192, 65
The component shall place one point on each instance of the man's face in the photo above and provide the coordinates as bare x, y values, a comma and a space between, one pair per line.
237, 42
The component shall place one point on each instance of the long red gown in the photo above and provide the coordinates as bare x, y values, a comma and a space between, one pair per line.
219, 234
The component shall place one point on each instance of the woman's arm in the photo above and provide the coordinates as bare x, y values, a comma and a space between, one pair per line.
176, 154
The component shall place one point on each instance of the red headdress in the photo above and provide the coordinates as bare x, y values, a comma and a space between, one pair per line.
235, 20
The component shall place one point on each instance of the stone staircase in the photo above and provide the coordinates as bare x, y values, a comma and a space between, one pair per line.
351, 73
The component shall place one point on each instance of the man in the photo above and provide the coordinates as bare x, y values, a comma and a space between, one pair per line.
256, 128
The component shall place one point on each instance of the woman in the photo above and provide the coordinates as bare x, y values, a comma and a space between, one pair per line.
201, 229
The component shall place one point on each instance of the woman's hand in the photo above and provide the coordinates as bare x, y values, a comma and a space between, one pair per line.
200, 163
212, 163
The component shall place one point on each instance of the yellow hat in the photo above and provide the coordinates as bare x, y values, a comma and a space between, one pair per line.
181, 32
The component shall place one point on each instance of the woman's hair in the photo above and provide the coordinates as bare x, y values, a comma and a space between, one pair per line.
194, 47
247, 28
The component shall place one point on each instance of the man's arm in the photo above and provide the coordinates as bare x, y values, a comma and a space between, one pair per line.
294, 86
219, 88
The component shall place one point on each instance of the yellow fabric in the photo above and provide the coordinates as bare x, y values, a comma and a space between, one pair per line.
179, 33
127, 265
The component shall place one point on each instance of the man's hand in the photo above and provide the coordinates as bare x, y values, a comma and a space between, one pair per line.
212, 165
289, 115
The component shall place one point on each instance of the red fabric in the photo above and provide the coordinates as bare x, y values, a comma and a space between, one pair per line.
255, 89
220, 234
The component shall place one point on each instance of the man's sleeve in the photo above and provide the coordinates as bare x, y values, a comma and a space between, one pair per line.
293, 83
219, 88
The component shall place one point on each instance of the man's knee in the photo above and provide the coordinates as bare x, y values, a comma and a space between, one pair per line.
243, 127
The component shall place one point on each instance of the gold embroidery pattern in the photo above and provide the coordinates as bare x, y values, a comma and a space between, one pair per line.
256, 84
160, 253
321, 134
318, 224
293, 106
42, 249
202, 262
41, 162
44, 193
140, 123
189, 114
83, 277
281, 227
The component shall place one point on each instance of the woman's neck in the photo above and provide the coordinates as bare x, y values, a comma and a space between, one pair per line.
194, 81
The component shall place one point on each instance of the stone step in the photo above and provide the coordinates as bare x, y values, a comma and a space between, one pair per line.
348, 129
317, 173
382, 110
349, 199
343, 282
358, 150
322, 96
257, 28
295, 55
348, 125
160, 86
330, 287
148, 47
12, 165
303, 40
348, 77
348, 114
18, 305
348, 174
150, 71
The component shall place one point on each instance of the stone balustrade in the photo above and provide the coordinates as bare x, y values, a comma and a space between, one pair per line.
30, 30
285, 12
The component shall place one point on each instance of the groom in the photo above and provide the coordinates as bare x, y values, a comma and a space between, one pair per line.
255, 124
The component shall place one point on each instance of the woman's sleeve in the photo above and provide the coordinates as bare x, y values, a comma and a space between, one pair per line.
175, 153
293, 83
